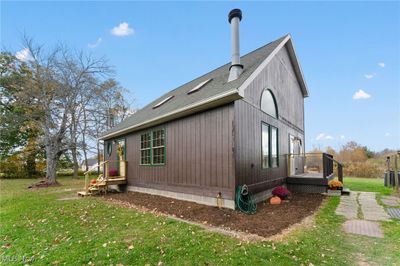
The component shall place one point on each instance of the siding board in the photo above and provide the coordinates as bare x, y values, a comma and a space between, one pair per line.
196, 148
279, 77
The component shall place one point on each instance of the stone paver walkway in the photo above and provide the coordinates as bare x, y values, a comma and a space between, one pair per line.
391, 201
363, 227
370, 208
362, 205
348, 206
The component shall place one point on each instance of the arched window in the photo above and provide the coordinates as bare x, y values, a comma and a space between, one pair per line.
268, 103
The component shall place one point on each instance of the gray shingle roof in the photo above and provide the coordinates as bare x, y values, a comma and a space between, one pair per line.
219, 84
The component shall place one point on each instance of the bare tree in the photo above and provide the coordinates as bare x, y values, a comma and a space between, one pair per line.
59, 79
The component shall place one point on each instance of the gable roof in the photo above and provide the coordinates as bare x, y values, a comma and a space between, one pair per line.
215, 92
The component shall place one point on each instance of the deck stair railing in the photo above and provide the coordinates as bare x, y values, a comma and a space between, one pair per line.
106, 178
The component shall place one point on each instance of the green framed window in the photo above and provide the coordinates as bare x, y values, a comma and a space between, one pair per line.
145, 149
152, 147
270, 148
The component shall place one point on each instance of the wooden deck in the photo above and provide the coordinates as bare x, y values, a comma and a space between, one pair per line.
308, 182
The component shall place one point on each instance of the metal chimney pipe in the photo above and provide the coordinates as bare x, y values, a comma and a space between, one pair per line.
234, 18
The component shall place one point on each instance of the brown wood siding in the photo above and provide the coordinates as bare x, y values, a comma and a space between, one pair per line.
199, 156
279, 77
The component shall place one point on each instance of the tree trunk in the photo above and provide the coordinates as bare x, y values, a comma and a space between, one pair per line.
51, 164
75, 160
84, 140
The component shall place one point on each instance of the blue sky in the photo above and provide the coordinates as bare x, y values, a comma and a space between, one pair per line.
347, 50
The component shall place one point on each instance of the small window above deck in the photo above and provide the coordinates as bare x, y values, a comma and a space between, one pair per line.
199, 86
163, 101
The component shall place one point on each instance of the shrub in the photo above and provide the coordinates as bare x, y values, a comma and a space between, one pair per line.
363, 169
281, 192
15, 167
112, 172
69, 172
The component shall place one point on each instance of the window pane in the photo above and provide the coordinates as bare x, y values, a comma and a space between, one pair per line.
145, 156
274, 147
268, 104
265, 146
158, 146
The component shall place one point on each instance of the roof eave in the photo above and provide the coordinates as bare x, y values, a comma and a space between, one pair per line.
211, 102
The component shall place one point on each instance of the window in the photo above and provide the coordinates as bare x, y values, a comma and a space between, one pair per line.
109, 148
274, 147
163, 101
268, 103
158, 147
145, 149
270, 152
265, 146
152, 147
198, 87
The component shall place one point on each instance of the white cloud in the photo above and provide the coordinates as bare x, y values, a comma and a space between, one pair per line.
387, 134
322, 136
370, 76
24, 55
361, 95
381, 64
94, 45
122, 30
342, 137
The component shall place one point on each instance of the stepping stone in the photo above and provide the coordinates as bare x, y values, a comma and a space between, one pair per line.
362, 227
391, 201
394, 212
370, 208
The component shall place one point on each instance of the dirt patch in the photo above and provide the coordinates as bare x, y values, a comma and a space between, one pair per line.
44, 184
269, 219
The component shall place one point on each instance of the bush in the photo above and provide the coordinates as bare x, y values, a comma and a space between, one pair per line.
281, 192
69, 172
367, 169
15, 167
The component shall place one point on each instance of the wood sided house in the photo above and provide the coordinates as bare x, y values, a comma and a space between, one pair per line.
242, 123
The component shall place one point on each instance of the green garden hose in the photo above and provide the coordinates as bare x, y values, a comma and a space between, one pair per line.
245, 201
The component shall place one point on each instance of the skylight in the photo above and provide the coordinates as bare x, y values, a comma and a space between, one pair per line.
163, 101
199, 86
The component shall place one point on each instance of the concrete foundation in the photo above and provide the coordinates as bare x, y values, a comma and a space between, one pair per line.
226, 203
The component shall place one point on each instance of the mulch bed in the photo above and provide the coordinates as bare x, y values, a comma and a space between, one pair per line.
269, 219
44, 184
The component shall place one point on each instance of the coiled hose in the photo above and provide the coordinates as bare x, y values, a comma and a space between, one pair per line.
244, 200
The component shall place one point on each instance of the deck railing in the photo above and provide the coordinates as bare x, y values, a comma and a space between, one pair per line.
120, 171
315, 164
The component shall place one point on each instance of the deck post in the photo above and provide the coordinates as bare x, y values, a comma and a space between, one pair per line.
340, 172
324, 165
396, 172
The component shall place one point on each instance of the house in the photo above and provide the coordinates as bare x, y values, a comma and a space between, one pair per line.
232, 126
90, 163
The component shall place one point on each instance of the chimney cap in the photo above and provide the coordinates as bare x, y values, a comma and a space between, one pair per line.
235, 13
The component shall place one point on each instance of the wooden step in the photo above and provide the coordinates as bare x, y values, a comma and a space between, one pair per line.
346, 191
83, 193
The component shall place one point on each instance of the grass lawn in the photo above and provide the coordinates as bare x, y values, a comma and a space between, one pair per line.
367, 184
37, 229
